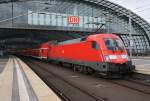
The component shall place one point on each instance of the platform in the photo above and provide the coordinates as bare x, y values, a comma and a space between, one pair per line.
19, 83
142, 65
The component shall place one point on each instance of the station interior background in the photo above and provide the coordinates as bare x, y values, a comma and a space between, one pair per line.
27, 23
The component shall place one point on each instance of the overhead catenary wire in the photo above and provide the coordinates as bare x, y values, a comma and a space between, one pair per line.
9, 1
43, 9
12, 18
137, 8
143, 6
21, 15
122, 1
142, 10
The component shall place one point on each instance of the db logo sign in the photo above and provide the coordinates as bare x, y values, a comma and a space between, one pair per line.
73, 20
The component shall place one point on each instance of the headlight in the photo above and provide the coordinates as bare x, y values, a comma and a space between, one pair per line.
110, 57
107, 59
125, 57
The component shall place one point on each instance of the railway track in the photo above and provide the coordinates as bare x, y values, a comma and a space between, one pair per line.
137, 86
142, 79
82, 94
139, 81
76, 92
130, 83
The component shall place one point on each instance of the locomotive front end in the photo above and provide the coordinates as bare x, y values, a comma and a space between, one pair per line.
116, 58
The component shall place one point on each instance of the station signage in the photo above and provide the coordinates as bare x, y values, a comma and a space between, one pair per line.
73, 19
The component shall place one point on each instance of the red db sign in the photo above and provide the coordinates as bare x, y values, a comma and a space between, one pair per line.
73, 20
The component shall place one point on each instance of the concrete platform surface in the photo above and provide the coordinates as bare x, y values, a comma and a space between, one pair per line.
142, 65
19, 83
141, 57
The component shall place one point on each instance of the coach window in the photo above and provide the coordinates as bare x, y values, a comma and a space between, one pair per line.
95, 45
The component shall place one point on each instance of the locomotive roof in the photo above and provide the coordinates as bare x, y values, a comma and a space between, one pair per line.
72, 41
90, 37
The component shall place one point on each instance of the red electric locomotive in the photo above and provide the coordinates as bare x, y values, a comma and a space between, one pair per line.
104, 53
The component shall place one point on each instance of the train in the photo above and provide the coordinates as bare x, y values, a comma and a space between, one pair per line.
101, 53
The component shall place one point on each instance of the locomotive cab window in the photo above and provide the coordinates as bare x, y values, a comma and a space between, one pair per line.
95, 45
114, 44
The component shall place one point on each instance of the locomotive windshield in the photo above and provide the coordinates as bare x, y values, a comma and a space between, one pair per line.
114, 44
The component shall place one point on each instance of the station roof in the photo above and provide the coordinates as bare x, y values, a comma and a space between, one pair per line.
25, 37
124, 11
